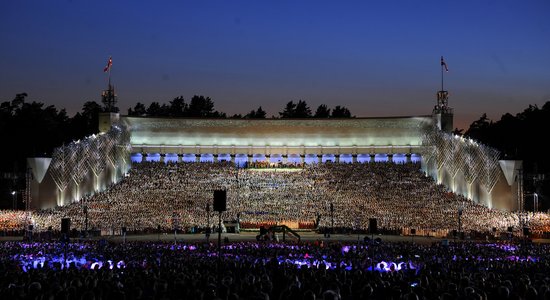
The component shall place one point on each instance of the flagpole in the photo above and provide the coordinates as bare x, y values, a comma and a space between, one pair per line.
441, 73
108, 97
109, 73
111, 91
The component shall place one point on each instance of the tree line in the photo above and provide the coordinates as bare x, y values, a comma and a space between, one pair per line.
203, 107
520, 136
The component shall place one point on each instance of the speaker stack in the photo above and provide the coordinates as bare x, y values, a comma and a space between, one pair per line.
220, 199
65, 225
373, 226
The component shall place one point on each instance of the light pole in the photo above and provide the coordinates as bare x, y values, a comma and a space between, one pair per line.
331, 218
175, 223
85, 220
14, 198
208, 228
460, 221
535, 202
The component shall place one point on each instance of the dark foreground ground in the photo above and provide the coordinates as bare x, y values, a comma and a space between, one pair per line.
251, 236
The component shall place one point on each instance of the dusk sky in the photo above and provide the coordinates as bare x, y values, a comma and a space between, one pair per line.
377, 58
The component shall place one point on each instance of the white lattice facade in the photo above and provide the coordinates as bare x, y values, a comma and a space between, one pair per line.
468, 168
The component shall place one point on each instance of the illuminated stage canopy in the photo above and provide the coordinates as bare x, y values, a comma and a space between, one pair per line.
277, 136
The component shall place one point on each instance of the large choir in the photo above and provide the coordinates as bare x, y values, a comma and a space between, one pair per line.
170, 195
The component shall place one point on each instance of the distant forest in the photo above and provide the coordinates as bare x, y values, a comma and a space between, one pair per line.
33, 129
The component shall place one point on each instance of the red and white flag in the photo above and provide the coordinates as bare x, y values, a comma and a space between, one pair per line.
444, 64
110, 63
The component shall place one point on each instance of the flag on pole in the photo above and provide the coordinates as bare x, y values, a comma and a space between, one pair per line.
444, 64
110, 63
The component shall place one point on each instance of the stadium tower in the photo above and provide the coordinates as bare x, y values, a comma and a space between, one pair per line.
442, 113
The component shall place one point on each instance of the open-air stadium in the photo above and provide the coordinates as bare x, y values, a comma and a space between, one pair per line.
404, 174
361, 208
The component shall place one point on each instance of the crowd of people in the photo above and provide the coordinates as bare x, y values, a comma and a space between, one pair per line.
273, 270
179, 195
